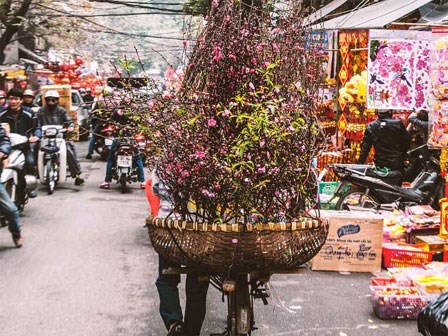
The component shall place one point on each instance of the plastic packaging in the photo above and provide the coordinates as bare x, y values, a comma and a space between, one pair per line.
433, 320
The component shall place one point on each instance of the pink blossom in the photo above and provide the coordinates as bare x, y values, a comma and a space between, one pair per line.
211, 122
226, 113
200, 154
261, 170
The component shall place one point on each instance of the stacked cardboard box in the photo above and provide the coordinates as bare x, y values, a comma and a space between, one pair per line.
353, 243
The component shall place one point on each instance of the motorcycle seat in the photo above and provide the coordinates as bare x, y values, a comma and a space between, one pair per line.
50, 149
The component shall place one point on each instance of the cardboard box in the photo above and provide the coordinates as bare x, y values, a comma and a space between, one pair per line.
353, 243
435, 243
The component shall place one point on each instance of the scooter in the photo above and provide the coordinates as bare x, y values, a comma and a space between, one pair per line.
13, 177
369, 192
52, 162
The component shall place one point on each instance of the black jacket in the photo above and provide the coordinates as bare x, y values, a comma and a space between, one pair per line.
5, 143
26, 123
391, 142
56, 116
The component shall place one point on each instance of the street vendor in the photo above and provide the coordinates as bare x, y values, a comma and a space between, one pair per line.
196, 291
391, 141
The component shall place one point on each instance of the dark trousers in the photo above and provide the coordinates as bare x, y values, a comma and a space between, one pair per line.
170, 308
72, 159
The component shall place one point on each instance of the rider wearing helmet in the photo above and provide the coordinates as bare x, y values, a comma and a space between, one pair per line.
88, 98
54, 114
2, 99
28, 97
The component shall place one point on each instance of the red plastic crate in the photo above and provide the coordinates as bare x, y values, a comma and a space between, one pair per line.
402, 258
377, 281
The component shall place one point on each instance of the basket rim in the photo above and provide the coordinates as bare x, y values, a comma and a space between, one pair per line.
304, 223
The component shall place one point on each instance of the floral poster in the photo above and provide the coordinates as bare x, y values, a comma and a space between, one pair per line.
438, 116
398, 69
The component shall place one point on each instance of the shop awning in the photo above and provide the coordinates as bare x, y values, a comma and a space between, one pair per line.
374, 16
324, 11
433, 13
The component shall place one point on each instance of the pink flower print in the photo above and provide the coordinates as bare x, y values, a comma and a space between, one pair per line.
211, 122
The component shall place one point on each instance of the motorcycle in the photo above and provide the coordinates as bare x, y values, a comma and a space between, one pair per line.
128, 151
13, 177
52, 162
360, 190
104, 140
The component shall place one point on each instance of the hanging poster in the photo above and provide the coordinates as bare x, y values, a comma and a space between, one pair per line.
438, 116
398, 69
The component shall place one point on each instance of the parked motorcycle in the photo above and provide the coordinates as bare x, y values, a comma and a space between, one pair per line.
127, 153
367, 191
16, 182
52, 162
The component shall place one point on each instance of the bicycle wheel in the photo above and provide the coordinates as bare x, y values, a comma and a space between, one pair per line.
357, 198
50, 177
239, 319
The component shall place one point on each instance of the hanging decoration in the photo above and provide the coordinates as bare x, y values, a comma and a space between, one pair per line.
398, 67
438, 118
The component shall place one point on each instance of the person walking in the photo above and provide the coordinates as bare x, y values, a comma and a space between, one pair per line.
167, 284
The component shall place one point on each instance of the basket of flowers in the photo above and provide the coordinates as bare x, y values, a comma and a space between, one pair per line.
236, 145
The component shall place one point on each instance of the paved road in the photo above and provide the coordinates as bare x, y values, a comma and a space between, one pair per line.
87, 268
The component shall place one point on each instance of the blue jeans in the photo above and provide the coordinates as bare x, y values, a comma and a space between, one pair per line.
9, 210
112, 158
196, 295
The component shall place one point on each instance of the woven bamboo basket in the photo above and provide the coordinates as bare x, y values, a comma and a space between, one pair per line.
239, 247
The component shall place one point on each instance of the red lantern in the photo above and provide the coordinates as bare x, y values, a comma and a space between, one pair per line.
63, 67
78, 61
78, 72
60, 74
74, 66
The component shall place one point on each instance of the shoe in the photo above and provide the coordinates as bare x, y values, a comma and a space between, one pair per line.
104, 185
176, 329
79, 181
32, 194
89, 156
18, 240
142, 185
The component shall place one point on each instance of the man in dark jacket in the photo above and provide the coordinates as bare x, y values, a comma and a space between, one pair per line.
7, 206
391, 141
53, 114
23, 121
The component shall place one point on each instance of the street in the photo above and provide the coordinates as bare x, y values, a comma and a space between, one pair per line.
87, 268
